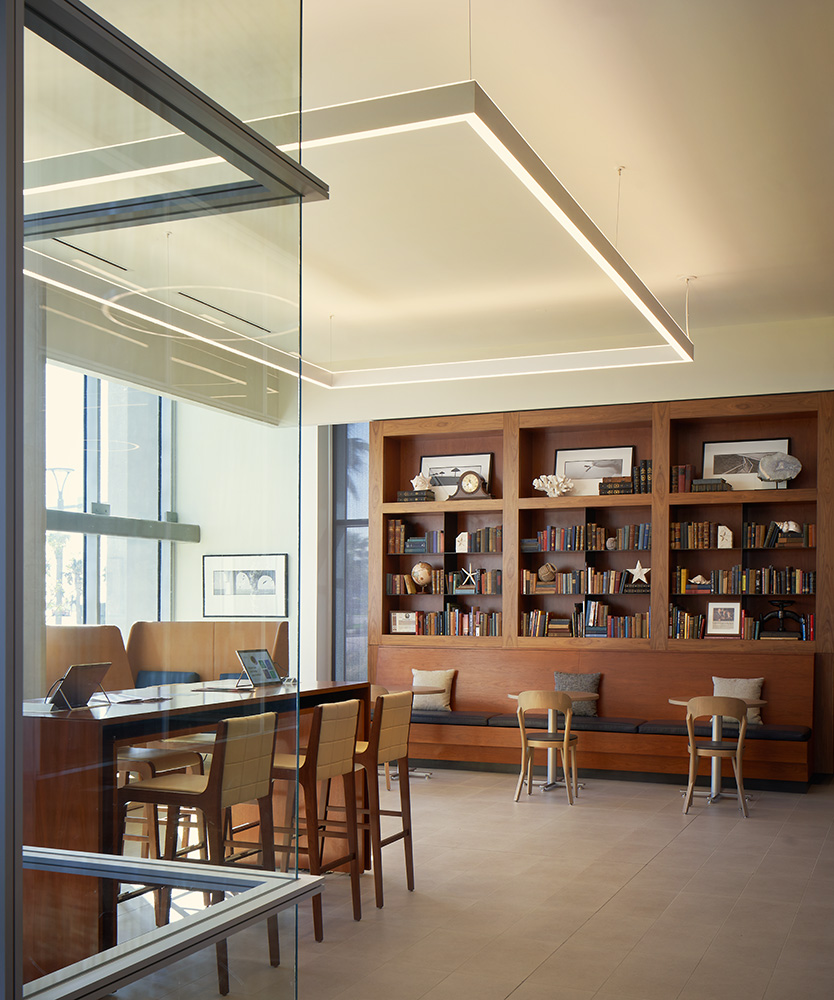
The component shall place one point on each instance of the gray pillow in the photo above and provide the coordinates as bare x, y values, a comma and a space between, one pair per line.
579, 682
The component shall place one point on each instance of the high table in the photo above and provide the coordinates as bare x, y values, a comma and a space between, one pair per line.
69, 800
552, 726
714, 792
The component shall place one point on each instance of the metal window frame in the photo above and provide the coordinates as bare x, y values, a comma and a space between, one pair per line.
258, 895
94, 43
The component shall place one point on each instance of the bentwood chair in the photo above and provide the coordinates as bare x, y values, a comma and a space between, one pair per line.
555, 703
387, 743
727, 708
240, 771
329, 754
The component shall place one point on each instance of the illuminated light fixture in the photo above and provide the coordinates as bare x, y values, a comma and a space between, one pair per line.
467, 103
417, 110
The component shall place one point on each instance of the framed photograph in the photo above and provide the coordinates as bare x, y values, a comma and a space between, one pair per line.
587, 466
738, 461
245, 586
403, 623
724, 618
443, 471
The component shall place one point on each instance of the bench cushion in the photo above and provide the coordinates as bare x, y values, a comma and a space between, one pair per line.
767, 731
583, 723
444, 718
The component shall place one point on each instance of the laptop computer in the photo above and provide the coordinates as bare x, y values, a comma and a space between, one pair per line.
77, 686
258, 666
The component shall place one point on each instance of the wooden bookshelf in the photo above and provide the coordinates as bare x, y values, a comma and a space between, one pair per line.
524, 445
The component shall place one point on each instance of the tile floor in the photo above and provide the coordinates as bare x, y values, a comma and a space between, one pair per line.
619, 897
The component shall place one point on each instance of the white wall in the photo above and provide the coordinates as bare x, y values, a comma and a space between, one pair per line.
733, 361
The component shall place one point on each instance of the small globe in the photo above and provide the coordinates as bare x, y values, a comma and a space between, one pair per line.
421, 574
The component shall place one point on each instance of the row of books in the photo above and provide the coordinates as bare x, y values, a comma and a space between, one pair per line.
715, 485
400, 541
459, 621
598, 621
589, 537
587, 581
694, 534
547, 624
680, 478
403, 583
484, 540
767, 580
641, 476
478, 581
686, 625
771, 536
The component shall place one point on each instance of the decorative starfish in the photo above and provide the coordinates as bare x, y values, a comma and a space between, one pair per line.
639, 573
467, 577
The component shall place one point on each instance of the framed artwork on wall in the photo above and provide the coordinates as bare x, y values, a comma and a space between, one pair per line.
443, 471
245, 586
738, 461
587, 466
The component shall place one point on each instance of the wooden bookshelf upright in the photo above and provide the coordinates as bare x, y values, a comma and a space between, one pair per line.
668, 433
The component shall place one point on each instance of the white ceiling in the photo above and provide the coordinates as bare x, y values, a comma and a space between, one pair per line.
720, 115
699, 137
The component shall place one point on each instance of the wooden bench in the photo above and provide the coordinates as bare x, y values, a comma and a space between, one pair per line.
205, 647
648, 737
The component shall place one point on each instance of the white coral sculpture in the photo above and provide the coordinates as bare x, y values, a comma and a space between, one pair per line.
553, 486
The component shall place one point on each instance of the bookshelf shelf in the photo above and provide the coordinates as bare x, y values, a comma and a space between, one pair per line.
523, 446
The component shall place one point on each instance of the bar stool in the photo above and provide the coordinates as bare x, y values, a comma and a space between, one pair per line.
240, 772
329, 754
387, 742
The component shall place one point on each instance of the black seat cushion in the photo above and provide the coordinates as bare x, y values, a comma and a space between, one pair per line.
582, 723
441, 718
768, 731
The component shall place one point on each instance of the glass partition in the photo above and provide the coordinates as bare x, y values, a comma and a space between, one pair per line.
161, 399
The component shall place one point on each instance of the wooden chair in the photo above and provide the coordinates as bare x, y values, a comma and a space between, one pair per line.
555, 703
329, 754
240, 771
387, 742
728, 708
376, 691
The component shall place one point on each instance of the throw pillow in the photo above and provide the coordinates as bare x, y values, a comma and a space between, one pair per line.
579, 682
433, 679
741, 687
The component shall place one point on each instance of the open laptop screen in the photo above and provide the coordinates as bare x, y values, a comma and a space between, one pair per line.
258, 666
78, 684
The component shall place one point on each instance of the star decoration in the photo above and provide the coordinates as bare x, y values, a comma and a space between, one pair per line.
639, 573
467, 577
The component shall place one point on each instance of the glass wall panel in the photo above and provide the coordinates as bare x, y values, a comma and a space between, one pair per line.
162, 343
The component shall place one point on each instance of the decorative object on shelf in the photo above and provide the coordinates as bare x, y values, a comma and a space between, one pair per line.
415, 496
724, 537
587, 466
779, 468
421, 574
467, 579
471, 486
553, 486
547, 573
611, 544
789, 528
714, 485
462, 542
724, 619
444, 471
737, 462
245, 586
781, 615
420, 483
403, 623
640, 572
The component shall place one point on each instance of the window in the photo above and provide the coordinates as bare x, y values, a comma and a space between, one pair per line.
106, 444
350, 552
